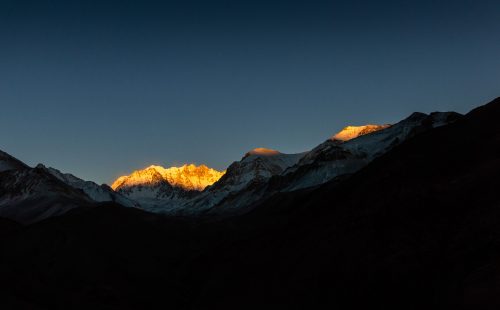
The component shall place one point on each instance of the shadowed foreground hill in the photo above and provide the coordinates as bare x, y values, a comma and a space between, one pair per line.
418, 227
106, 257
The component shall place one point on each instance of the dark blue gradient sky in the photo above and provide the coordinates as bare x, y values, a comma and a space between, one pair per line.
98, 88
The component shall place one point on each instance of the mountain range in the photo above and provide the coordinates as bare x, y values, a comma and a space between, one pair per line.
193, 190
404, 215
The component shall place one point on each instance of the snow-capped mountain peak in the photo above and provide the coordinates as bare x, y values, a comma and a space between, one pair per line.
149, 176
268, 161
351, 132
335, 157
262, 151
187, 177
156, 186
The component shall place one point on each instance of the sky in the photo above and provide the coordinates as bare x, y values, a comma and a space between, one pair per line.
101, 88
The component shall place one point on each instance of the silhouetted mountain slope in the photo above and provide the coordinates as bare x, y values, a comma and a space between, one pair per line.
8, 227
418, 227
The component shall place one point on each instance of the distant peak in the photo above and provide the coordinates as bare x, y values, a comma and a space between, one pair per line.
262, 151
351, 132
188, 177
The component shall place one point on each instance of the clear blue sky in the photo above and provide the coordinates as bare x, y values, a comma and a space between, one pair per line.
99, 88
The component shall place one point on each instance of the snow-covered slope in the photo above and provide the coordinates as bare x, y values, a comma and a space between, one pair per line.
31, 194
351, 132
334, 157
148, 188
235, 188
379, 142
98, 193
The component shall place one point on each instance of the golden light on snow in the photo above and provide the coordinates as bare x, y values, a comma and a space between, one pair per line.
263, 151
189, 177
351, 132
